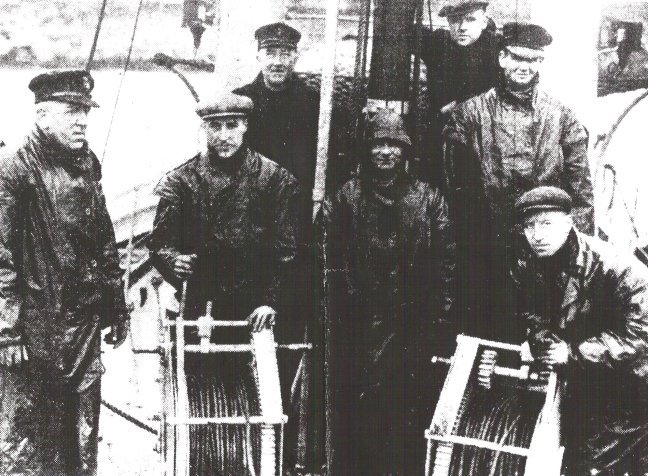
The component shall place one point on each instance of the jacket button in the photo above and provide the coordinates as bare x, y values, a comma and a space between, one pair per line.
88, 211
93, 263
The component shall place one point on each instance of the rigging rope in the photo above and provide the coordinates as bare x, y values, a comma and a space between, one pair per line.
121, 82
93, 49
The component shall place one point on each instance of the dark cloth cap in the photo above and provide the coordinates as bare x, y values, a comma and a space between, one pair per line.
277, 34
72, 86
387, 124
542, 199
224, 105
525, 35
459, 7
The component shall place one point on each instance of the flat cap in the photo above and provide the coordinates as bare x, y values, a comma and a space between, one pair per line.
277, 34
387, 124
542, 199
459, 7
71, 86
525, 35
224, 105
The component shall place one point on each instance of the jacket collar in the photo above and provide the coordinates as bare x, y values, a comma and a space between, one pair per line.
292, 82
575, 270
47, 149
247, 158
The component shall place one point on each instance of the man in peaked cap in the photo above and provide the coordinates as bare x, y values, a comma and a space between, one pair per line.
60, 280
388, 234
283, 122
283, 126
461, 62
585, 308
499, 145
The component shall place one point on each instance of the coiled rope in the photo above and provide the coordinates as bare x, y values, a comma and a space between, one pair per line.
503, 415
223, 385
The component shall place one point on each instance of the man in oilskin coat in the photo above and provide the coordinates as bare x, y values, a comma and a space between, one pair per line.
60, 281
226, 221
585, 305
499, 145
391, 256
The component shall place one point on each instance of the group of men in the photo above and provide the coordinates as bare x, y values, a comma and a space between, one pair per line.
493, 242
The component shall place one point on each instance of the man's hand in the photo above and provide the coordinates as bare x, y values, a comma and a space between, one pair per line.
556, 354
262, 317
12, 352
118, 333
183, 266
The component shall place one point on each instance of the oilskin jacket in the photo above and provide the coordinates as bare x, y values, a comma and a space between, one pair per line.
500, 147
240, 222
60, 281
391, 268
595, 298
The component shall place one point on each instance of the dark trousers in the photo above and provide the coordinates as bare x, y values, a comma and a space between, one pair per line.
65, 423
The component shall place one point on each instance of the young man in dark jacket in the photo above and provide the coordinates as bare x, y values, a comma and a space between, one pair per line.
391, 253
461, 63
585, 306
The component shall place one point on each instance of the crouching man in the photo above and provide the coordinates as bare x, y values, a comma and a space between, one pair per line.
586, 308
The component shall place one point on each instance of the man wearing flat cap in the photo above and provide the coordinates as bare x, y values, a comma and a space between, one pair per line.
499, 145
391, 250
585, 307
60, 280
226, 221
461, 62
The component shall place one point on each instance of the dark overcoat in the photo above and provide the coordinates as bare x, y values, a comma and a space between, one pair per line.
597, 301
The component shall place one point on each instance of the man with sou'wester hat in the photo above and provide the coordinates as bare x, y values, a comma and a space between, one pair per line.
391, 253
461, 62
499, 145
584, 305
60, 280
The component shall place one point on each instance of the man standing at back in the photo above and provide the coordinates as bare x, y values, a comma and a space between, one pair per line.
283, 124
461, 62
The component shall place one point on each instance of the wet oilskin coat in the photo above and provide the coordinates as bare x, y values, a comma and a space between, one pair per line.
60, 284
392, 263
497, 148
59, 267
601, 300
241, 225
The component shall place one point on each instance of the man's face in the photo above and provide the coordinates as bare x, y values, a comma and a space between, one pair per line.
465, 29
277, 65
65, 123
225, 135
386, 155
547, 231
520, 70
